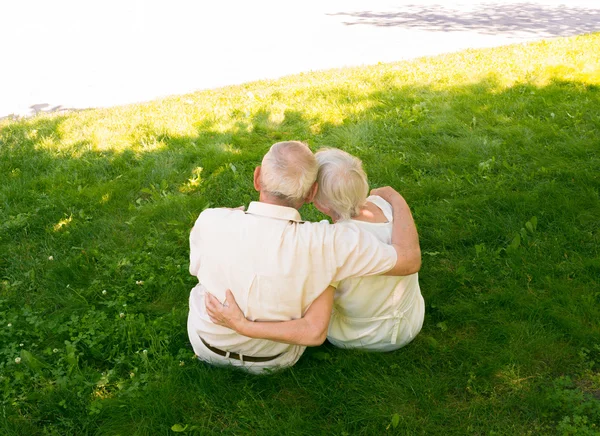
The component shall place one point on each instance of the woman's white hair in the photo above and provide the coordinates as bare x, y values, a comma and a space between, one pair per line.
288, 171
343, 185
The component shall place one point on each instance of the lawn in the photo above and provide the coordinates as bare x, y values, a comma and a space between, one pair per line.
498, 153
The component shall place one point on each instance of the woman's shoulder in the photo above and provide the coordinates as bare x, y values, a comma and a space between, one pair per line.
385, 207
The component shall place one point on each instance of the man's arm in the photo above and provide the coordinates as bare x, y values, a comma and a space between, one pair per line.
405, 238
359, 253
310, 330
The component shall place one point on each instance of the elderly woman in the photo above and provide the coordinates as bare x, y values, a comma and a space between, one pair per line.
373, 313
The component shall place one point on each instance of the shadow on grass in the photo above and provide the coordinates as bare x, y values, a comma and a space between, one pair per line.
475, 163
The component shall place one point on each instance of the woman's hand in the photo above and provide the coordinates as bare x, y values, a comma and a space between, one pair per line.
228, 314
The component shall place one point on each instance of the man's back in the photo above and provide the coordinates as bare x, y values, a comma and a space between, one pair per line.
275, 265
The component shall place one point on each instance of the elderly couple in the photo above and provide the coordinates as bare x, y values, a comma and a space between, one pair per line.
270, 284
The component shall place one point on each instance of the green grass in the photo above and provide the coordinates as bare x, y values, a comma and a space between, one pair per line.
497, 152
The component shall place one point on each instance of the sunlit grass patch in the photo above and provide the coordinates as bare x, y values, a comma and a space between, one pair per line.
62, 223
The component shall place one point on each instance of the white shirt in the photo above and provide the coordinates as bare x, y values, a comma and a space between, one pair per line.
275, 265
377, 313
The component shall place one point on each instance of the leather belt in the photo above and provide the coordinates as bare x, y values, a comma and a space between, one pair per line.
237, 356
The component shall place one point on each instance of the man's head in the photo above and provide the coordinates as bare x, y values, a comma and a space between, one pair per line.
287, 175
343, 185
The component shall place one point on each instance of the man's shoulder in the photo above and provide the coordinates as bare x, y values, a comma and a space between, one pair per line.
326, 225
219, 212
341, 227
328, 231
217, 215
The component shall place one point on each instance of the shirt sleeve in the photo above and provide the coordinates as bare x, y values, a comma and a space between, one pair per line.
359, 253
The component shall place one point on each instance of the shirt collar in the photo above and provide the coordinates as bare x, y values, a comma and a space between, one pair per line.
274, 211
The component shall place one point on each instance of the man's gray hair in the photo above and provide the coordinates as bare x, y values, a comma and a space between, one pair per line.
288, 171
343, 185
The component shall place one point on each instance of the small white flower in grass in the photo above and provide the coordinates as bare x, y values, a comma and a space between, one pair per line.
55, 350
17, 360
122, 315
125, 305
139, 282
132, 374
181, 363
145, 351
9, 324
20, 345
104, 292
50, 257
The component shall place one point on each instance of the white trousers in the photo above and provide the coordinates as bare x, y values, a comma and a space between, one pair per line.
286, 360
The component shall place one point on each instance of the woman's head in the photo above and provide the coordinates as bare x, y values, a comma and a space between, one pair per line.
343, 186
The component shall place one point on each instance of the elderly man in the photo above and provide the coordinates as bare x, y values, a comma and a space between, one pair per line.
276, 265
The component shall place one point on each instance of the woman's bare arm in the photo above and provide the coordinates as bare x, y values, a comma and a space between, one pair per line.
310, 330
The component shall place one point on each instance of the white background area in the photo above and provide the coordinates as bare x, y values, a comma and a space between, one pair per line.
80, 54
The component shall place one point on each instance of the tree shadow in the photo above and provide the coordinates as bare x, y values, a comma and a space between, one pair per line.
513, 19
475, 162
436, 151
